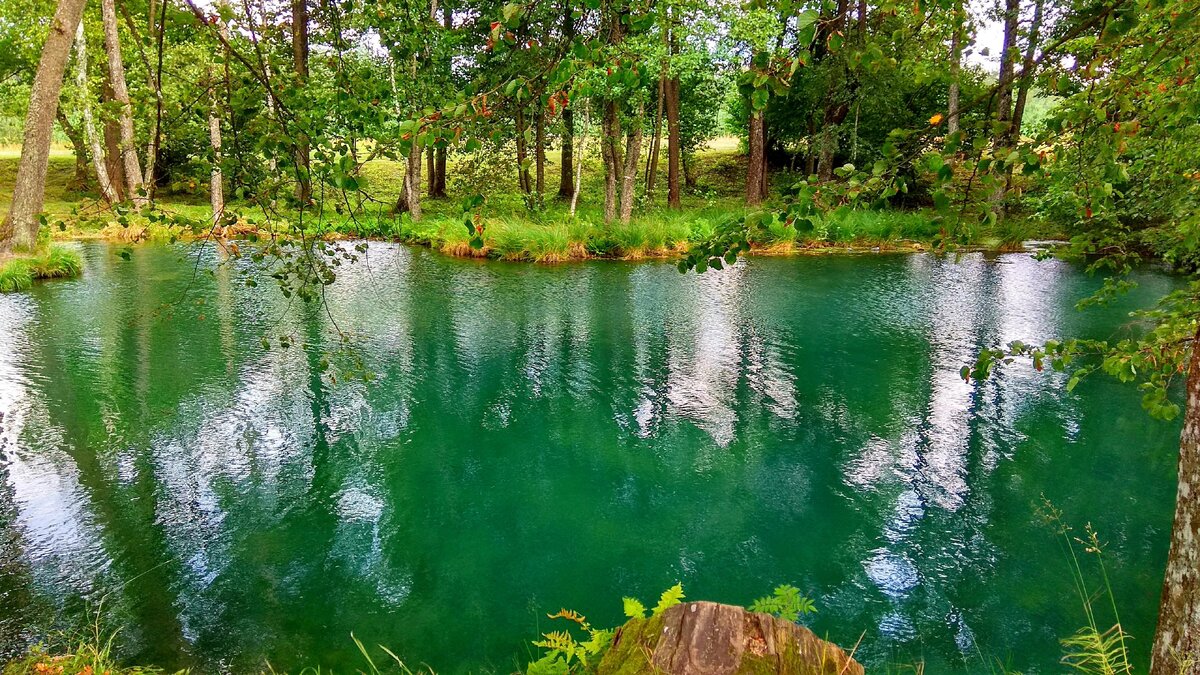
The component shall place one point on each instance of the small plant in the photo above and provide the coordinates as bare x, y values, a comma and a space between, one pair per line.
785, 603
1090, 650
634, 608
564, 651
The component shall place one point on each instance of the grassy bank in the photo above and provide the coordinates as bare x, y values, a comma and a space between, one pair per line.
18, 272
515, 228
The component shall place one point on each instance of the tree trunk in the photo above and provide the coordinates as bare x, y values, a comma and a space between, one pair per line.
689, 171
955, 70
754, 164
764, 184
566, 173
674, 149
154, 84
1004, 98
1035, 25
1177, 638
79, 149
430, 171
565, 178
20, 227
107, 191
216, 181
583, 138
835, 108
157, 32
610, 130
409, 200
633, 153
300, 66
439, 166
539, 150
116, 75
112, 143
523, 180
656, 138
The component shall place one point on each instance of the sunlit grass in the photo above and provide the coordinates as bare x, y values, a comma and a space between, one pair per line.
54, 262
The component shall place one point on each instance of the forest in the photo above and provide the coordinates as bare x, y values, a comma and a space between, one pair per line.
322, 318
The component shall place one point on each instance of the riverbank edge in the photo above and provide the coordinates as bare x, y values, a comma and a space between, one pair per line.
576, 251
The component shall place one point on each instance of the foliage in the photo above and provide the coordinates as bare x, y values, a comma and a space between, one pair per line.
785, 602
563, 650
634, 609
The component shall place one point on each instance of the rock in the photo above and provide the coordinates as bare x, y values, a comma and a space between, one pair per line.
706, 638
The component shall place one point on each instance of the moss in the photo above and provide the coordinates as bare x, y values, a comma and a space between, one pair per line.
629, 652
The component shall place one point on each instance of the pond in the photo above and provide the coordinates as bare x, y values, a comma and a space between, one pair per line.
539, 437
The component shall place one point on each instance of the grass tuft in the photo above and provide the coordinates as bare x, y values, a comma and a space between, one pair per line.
55, 262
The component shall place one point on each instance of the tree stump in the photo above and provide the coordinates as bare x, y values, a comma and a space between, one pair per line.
706, 638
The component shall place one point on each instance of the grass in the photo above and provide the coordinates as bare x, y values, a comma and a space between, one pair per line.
513, 231
54, 262
89, 652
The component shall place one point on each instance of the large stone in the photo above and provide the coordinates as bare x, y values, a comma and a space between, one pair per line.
706, 638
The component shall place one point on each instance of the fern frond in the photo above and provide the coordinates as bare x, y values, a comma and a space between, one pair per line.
785, 603
559, 641
570, 615
634, 609
1095, 653
669, 598
599, 640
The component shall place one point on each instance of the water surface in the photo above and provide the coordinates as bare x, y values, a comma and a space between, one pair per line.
539, 437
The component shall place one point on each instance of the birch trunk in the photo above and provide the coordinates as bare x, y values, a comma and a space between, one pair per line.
20, 226
107, 191
216, 180
583, 138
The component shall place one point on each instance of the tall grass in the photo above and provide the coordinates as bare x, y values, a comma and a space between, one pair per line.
15, 275
89, 652
55, 262
1092, 649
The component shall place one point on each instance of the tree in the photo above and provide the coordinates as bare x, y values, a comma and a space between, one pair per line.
107, 191
20, 227
300, 67
116, 77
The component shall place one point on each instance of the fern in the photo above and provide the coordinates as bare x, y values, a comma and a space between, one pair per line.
570, 615
669, 598
1095, 653
563, 650
785, 603
634, 609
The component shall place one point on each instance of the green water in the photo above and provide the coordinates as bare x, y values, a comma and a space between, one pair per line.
541, 437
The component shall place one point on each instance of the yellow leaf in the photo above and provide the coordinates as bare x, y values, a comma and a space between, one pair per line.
936, 119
